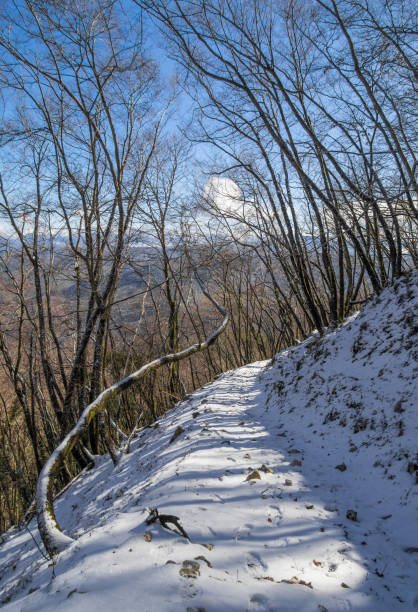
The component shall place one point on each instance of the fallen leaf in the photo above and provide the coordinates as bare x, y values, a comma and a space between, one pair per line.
296, 580
147, 536
317, 563
255, 475
179, 430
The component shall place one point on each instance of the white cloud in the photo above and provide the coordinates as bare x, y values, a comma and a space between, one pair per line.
6, 230
224, 195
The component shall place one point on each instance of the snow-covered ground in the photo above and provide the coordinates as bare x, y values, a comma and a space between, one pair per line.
295, 480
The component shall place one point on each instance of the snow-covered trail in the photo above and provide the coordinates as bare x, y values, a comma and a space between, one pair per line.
296, 480
260, 544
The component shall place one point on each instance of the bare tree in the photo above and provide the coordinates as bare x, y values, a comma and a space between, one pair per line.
299, 100
89, 115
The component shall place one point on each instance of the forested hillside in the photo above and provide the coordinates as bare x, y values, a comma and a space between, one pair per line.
292, 481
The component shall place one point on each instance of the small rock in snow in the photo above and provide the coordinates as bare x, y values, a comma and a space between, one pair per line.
190, 569
398, 407
342, 467
412, 467
351, 515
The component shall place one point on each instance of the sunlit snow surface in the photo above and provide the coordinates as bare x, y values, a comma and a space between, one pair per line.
349, 399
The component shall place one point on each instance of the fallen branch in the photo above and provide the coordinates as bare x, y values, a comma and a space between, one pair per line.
54, 540
164, 520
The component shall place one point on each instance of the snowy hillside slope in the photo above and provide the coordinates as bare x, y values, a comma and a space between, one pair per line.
275, 461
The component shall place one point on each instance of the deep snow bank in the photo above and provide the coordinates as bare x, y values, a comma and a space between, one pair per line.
356, 387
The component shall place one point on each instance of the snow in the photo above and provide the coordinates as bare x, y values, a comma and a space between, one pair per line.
346, 399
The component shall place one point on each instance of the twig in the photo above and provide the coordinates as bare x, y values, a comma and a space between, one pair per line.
164, 519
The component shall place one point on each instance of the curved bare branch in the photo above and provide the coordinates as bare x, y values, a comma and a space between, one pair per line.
54, 539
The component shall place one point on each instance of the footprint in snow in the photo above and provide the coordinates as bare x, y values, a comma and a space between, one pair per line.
219, 498
259, 603
189, 589
241, 533
277, 514
255, 563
